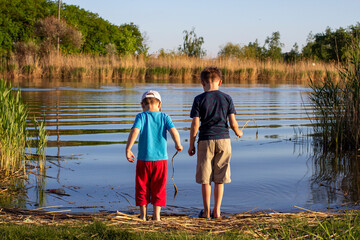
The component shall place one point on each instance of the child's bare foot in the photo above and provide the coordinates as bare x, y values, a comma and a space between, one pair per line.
143, 212
156, 213
216, 215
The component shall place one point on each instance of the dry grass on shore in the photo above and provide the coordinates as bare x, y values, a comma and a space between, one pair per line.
248, 223
110, 68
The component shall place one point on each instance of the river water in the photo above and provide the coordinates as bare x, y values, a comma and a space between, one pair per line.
88, 128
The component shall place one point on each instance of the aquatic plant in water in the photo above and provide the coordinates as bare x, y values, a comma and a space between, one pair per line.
337, 106
41, 140
14, 131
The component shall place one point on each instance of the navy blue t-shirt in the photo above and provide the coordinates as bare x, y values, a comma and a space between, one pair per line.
213, 108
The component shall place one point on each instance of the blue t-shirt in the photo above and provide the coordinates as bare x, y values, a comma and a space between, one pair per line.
213, 108
153, 128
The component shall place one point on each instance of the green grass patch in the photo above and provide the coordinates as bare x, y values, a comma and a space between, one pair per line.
95, 230
345, 226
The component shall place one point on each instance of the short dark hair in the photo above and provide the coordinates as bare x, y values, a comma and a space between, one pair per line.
150, 101
210, 74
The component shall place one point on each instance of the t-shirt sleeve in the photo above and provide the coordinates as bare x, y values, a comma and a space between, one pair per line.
195, 110
168, 123
138, 123
231, 107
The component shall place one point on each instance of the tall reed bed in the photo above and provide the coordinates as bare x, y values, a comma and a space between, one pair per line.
110, 68
14, 134
337, 105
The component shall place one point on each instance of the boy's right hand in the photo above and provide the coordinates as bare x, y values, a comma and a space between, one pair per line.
191, 150
179, 147
130, 156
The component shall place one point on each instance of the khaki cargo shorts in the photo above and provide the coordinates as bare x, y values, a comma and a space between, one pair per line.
213, 161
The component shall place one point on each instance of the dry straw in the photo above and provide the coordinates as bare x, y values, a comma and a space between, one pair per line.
249, 222
84, 67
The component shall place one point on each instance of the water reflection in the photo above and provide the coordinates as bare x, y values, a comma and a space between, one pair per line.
13, 193
335, 178
131, 83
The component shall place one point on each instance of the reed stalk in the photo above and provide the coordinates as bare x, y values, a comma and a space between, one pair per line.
41, 143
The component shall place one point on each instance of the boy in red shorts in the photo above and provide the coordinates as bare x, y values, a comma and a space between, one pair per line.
213, 109
151, 167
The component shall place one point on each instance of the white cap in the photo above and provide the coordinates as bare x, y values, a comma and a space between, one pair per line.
151, 94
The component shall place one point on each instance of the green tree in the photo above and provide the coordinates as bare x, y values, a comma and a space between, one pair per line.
18, 19
273, 47
231, 50
322, 47
192, 45
307, 49
99, 33
254, 51
331, 45
130, 40
293, 55
50, 29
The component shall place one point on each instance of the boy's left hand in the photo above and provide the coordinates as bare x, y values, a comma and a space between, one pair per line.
130, 156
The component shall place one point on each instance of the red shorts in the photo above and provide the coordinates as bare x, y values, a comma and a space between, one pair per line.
151, 183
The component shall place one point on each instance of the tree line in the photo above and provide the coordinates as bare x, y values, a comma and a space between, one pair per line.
329, 46
32, 25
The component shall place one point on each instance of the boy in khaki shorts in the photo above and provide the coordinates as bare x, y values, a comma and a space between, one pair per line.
212, 108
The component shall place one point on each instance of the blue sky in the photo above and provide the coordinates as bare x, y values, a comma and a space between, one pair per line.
219, 22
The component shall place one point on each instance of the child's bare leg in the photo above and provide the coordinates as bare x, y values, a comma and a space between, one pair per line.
206, 194
143, 212
218, 195
156, 212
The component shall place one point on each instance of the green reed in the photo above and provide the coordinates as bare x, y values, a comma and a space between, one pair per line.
337, 106
41, 142
14, 130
